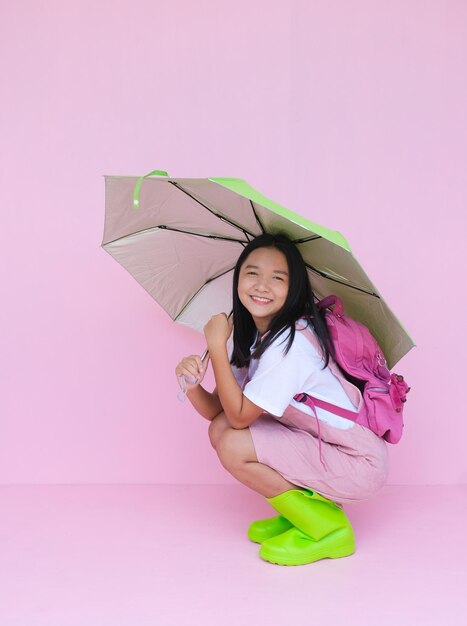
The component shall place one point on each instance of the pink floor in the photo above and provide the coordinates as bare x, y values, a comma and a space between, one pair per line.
178, 555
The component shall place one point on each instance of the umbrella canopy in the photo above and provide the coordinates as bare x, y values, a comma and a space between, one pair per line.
181, 237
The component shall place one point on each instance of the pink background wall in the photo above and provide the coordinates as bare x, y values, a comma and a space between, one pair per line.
351, 113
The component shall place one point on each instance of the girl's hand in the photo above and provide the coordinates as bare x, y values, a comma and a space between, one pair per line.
193, 369
217, 331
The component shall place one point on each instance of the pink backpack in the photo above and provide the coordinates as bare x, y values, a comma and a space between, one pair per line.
358, 354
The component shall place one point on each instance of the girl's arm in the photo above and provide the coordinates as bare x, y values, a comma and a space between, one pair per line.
239, 411
207, 404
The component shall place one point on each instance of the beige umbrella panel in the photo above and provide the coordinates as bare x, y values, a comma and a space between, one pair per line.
182, 242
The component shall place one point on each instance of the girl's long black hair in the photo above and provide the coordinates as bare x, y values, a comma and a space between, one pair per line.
300, 303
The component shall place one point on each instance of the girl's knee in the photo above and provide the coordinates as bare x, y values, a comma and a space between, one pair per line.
233, 448
217, 426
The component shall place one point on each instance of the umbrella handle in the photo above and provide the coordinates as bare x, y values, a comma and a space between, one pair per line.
138, 185
182, 380
181, 395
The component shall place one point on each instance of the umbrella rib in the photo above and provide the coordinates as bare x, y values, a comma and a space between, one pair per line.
210, 280
189, 232
177, 230
257, 217
341, 282
305, 239
221, 217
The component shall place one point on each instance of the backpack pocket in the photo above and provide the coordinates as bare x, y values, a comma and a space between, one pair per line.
383, 417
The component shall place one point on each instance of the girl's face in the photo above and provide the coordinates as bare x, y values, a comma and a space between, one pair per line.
263, 285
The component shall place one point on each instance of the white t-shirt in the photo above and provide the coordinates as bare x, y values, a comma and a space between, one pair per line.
275, 379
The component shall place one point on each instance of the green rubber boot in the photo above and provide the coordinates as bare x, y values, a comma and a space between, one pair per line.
321, 530
264, 529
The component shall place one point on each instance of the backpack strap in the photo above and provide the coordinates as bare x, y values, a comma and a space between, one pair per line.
353, 393
312, 401
308, 400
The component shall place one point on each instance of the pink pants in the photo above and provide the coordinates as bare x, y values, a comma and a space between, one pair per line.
356, 459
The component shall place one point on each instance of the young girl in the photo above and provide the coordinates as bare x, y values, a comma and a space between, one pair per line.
306, 465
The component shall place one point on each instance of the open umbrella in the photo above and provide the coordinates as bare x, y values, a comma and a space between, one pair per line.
181, 237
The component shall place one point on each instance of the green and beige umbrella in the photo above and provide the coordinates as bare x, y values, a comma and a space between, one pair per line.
180, 239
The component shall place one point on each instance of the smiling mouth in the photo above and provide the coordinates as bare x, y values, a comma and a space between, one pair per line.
260, 300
